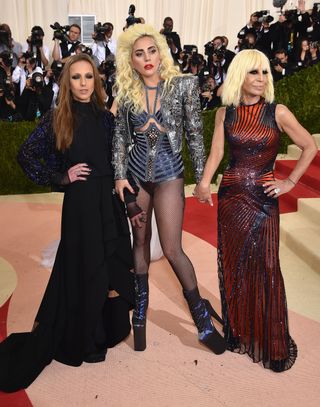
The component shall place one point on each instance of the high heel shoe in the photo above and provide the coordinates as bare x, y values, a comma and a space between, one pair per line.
139, 317
212, 312
201, 311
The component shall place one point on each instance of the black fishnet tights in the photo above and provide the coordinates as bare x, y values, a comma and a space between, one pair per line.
167, 199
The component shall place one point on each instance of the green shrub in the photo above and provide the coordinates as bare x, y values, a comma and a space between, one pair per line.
299, 92
12, 178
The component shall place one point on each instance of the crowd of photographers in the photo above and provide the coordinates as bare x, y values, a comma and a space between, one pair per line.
29, 87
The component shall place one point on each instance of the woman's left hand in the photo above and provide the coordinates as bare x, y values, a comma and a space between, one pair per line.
203, 194
277, 187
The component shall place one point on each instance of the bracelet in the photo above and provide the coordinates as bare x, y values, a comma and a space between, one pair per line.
289, 179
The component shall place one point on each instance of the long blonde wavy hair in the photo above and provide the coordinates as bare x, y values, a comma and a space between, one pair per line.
244, 62
130, 90
63, 118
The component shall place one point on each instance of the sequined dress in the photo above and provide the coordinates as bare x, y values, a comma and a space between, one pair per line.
251, 285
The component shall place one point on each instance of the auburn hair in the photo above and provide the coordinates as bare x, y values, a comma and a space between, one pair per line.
63, 115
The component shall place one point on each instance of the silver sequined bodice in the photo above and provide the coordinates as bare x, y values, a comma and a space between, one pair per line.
151, 158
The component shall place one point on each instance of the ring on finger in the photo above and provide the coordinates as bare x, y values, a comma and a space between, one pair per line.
277, 190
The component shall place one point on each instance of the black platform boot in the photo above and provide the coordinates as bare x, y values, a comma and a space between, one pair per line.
201, 312
141, 289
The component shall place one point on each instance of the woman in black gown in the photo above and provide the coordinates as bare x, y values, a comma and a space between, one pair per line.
85, 308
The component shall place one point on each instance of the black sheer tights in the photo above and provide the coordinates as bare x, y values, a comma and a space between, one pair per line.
167, 199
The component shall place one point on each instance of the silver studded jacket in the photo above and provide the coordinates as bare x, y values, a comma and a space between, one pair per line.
181, 114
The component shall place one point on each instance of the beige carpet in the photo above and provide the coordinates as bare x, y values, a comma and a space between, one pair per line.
175, 370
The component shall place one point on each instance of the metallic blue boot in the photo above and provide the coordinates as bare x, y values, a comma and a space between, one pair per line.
201, 312
141, 290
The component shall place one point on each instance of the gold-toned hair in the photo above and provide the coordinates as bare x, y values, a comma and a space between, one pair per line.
244, 62
63, 120
130, 90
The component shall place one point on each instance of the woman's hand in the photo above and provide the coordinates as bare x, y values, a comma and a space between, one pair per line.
137, 220
202, 192
78, 172
278, 187
121, 184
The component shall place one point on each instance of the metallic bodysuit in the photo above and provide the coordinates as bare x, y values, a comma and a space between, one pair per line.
151, 159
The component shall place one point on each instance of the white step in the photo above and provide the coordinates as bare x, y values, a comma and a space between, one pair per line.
301, 235
294, 152
302, 284
317, 138
310, 209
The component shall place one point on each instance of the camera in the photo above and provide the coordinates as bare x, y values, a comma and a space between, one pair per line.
36, 37
4, 38
7, 58
316, 8
208, 48
275, 62
107, 67
60, 32
84, 49
219, 53
191, 55
130, 20
37, 80
57, 67
6, 87
291, 16
100, 31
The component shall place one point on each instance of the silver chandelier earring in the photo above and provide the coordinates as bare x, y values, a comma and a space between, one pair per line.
135, 75
159, 67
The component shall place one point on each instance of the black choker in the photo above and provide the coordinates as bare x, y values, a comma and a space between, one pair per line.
151, 87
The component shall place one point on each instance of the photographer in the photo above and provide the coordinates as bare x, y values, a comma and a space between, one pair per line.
36, 98
291, 26
252, 24
104, 44
66, 40
173, 39
280, 65
302, 55
51, 79
26, 67
315, 52
7, 100
7, 43
7, 89
312, 30
249, 41
107, 72
6, 61
190, 61
35, 47
219, 59
210, 95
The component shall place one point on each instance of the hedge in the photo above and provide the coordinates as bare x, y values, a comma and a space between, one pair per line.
299, 92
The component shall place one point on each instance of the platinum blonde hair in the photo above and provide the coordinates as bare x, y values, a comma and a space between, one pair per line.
130, 90
244, 62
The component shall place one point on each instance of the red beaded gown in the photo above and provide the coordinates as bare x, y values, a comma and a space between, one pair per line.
251, 285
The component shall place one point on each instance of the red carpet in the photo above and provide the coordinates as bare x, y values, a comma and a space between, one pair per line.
201, 219
308, 186
20, 398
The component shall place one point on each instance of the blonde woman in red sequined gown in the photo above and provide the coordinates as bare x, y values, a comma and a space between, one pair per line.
251, 285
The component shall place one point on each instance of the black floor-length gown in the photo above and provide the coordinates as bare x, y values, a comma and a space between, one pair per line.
76, 317
251, 285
